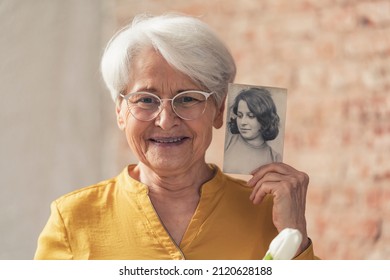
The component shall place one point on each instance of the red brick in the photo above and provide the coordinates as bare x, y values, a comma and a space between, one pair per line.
367, 42
338, 18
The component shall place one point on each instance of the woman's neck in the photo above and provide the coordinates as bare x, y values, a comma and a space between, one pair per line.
256, 142
174, 196
173, 185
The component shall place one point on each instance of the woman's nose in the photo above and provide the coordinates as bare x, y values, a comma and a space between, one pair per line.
167, 118
244, 121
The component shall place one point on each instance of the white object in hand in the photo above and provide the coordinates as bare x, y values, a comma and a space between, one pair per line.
285, 245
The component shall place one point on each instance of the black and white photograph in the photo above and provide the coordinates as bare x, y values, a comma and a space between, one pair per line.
255, 123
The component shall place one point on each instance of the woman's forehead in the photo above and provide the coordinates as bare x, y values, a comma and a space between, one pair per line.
152, 73
242, 106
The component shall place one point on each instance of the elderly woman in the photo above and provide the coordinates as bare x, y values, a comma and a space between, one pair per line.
255, 122
168, 76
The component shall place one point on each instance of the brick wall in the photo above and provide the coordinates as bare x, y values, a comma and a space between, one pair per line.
334, 58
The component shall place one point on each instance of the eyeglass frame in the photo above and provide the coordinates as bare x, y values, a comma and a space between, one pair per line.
160, 107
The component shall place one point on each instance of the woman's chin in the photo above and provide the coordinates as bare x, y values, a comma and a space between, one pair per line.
167, 165
167, 171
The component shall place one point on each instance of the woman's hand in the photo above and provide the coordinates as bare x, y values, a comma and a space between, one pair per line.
288, 186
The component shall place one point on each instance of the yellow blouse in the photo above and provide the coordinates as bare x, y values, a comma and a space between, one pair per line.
115, 219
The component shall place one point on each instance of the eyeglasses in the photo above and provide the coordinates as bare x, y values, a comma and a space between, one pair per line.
146, 106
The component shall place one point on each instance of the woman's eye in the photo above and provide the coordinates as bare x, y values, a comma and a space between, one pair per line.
145, 100
187, 99
251, 116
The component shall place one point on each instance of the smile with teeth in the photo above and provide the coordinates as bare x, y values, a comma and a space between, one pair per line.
168, 140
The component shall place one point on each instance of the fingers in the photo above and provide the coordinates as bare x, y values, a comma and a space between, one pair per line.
265, 185
261, 190
277, 171
288, 187
276, 184
279, 167
280, 180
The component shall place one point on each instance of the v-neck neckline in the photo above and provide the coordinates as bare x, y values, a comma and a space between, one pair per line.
208, 192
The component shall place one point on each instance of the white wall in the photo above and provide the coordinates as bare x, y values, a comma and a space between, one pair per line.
57, 123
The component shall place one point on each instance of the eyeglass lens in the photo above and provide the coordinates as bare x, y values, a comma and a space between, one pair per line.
187, 105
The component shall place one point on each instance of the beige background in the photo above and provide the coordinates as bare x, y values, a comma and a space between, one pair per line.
58, 129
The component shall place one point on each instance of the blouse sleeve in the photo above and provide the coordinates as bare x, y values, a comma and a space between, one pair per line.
53, 242
308, 254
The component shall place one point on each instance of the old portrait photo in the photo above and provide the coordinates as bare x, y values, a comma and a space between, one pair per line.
255, 123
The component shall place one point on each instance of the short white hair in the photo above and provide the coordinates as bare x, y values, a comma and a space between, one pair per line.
186, 43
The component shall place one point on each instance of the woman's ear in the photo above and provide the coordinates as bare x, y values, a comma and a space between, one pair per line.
120, 118
218, 119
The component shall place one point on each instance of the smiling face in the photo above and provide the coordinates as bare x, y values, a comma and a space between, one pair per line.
166, 144
247, 123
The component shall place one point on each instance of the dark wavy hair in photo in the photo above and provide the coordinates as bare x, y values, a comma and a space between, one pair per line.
261, 104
